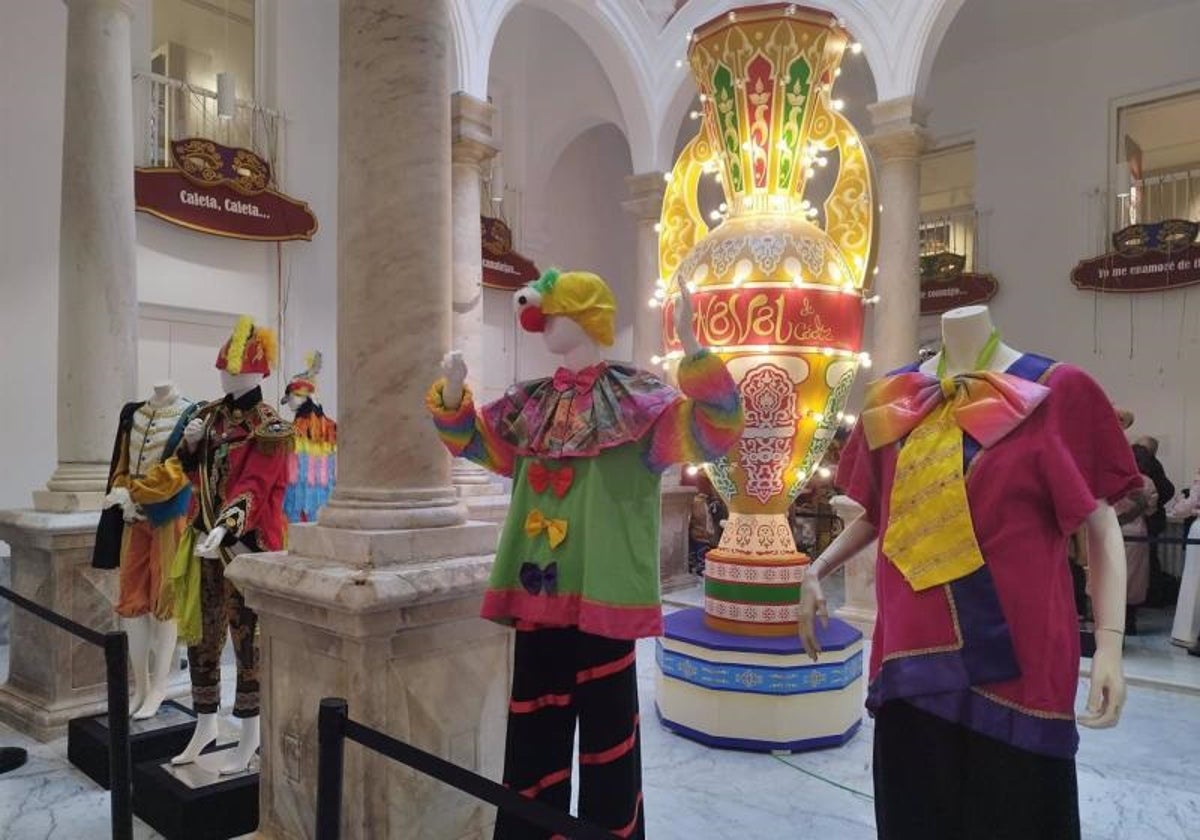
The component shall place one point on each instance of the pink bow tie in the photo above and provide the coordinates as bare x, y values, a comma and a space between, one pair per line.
988, 405
565, 380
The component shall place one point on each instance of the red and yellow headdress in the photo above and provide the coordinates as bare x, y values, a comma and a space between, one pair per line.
304, 384
251, 349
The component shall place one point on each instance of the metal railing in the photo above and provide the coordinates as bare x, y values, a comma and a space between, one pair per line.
335, 727
960, 232
1169, 195
169, 109
116, 661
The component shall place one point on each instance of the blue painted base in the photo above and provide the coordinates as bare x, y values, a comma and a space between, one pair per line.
688, 626
745, 745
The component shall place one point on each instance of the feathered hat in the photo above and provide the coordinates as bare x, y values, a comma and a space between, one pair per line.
582, 296
304, 384
251, 349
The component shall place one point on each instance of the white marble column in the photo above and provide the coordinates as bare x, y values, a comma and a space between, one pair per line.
645, 204
394, 265
473, 145
378, 602
859, 607
896, 144
97, 282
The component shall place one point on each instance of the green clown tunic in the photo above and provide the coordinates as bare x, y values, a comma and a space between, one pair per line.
586, 451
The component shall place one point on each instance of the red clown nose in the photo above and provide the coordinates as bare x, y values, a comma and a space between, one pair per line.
532, 319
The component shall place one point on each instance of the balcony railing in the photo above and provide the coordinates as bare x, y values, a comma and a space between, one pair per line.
169, 109
960, 232
1171, 195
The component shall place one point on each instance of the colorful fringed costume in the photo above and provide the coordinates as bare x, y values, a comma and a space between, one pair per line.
312, 467
146, 471
576, 570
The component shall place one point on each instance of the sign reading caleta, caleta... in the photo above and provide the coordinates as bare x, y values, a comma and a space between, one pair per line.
1145, 258
223, 191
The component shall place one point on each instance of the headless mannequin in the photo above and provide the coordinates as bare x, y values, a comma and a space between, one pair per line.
151, 641
236, 386
965, 332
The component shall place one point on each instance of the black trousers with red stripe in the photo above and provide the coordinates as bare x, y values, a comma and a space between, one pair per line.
563, 677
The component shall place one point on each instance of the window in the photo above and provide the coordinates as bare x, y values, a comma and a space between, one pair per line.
1158, 159
949, 224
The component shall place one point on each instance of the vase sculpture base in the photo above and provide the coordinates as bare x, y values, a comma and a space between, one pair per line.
757, 694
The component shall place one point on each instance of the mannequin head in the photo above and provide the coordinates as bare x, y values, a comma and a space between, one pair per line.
573, 310
239, 384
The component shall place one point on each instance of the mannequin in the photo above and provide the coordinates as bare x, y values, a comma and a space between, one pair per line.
1057, 450
576, 571
237, 453
312, 466
146, 513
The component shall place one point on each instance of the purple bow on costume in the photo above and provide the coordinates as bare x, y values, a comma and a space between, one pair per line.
537, 580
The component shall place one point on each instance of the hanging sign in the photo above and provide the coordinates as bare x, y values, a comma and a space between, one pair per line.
1145, 258
772, 316
503, 268
945, 285
223, 191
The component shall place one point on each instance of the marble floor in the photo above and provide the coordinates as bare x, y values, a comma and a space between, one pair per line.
1141, 780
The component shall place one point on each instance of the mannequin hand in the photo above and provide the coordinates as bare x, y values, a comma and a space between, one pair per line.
1107, 694
683, 321
117, 497
192, 432
812, 605
455, 371
211, 544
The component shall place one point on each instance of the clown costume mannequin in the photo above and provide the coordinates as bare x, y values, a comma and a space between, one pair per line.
145, 515
974, 470
237, 451
576, 571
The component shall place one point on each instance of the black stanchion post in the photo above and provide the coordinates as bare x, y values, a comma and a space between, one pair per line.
331, 751
120, 770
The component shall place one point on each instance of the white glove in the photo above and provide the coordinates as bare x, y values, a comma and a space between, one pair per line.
455, 371
683, 321
118, 496
210, 546
192, 432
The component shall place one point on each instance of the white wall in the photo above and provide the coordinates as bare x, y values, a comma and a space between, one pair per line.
1040, 121
184, 275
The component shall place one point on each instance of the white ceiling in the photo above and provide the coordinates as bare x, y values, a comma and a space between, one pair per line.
988, 27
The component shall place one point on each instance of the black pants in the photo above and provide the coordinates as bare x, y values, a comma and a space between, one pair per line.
562, 677
936, 780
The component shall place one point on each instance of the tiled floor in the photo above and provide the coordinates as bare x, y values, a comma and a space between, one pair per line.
1141, 780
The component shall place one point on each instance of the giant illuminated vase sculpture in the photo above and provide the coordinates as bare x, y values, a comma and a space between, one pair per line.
778, 290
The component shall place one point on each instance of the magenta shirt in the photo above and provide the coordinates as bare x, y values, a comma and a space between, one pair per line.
998, 650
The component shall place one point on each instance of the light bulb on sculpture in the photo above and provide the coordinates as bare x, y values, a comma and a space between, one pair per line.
779, 295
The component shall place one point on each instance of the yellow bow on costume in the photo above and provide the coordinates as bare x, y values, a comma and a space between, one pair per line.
556, 529
930, 536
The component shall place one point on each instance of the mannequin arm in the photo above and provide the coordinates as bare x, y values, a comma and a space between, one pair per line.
854, 538
706, 425
464, 432
1106, 573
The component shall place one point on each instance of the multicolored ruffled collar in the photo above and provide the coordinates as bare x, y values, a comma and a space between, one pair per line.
579, 414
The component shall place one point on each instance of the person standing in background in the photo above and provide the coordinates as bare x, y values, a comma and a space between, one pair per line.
1162, 586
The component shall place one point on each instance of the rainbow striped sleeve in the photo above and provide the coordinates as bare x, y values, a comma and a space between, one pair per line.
706, 425
466, 435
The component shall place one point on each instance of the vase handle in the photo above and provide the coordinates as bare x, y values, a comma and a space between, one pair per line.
851, 210
682, 224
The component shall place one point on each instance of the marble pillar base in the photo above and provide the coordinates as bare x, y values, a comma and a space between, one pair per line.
53, 676
403, 644
67, 501
673, 537
490, 508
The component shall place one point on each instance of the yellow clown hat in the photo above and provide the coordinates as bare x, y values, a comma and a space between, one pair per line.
582, 296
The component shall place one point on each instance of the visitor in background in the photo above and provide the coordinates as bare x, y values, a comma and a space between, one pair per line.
701, 528
1133, 512
1184, 507
1163, 588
